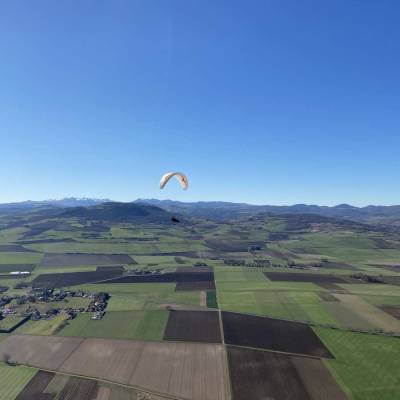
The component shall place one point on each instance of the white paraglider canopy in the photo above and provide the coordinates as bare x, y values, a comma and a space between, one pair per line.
178, 175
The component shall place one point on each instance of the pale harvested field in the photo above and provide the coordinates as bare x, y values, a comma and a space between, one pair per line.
192, 371
47, 352
102, 358
370, 313
185, 370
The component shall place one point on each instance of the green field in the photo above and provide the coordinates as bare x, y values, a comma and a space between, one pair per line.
42, 327
212, 299
10, 321
301, 305
367, 366
372, 289
143, 296
20, 258
239, 274
382, 300
13, 379
11, 235
146, 325
266, 285
356, 249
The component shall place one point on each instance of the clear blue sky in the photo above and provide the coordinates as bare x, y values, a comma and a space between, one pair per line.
272, 102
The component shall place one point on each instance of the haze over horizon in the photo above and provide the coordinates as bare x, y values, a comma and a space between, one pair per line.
84, 198
268, 103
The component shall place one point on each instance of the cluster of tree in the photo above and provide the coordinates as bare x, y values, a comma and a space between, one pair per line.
263, 263
200, 264
368, 278
259, 263
235, 263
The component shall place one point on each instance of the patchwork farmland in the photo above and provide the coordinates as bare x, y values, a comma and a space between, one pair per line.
267, 307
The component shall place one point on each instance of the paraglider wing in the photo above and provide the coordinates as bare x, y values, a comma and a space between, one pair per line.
178, 175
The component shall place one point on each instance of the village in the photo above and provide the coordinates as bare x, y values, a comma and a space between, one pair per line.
39, 304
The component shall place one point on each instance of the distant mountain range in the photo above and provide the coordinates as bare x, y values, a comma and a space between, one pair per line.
62, 203
216, 210
225, 210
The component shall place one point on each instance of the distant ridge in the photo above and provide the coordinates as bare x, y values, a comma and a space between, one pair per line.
120, 212
226, 210
216, 210
51, 203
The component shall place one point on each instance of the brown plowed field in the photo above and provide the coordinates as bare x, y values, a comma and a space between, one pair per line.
264, 375
193, 326
33, 390
166, 277
47, 352
259, 374
394, 311
207, 285
273, 334
317, 379
78, 388
45, 281
187, 370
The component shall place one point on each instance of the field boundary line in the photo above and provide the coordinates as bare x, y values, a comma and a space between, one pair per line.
281, 352
137, 362
71, 352
225, 354
128, 340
